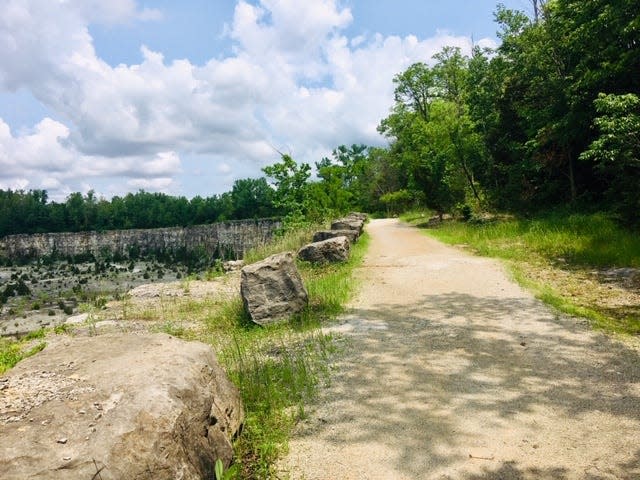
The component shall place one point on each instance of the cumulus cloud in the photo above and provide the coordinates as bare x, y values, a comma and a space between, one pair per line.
294, 82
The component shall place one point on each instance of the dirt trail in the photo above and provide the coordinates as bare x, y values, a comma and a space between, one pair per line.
454, 372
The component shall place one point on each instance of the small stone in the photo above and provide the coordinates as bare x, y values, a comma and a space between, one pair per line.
62, 440
66, 459
82, 412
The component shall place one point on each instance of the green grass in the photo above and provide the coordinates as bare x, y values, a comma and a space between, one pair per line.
575, 243
12, 351
288, 241
582, 240
279, 368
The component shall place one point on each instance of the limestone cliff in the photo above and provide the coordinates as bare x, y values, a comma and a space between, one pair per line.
226, 239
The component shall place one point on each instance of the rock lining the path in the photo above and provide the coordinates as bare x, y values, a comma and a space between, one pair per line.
272, 290
332, 250
146, 406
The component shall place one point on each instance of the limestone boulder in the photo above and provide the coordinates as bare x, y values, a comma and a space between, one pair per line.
232, 265
321, 235
358, 216
348, 223
117, 406
272, 289
332, 250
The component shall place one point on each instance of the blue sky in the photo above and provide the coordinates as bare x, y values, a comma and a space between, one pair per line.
186, 97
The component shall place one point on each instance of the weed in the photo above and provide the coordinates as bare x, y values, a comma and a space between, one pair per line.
12, 351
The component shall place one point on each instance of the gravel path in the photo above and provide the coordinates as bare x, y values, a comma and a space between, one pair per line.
454, 372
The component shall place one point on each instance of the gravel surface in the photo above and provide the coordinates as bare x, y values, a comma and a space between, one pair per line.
454, 372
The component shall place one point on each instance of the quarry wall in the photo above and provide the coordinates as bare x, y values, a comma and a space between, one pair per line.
229, 240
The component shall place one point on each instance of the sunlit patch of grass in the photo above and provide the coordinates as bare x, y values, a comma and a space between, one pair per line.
289, 241
575, 242
12, 351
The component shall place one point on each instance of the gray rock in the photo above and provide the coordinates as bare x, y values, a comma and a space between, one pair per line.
232, 265
321, 235
358, 216
332, 250
127, 406
272, 289
348, 223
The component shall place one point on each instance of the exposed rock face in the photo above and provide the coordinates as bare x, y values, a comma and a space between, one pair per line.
226, 239
321, 235
272, 290
127, 406
332, 250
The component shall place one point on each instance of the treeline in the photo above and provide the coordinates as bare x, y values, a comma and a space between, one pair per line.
550, 118
31, 212
287, 191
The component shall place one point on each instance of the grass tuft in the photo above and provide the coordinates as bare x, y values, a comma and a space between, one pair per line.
12, 351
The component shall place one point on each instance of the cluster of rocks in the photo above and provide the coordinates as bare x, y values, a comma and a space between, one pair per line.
272, 289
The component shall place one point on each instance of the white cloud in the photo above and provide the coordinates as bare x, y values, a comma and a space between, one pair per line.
295, 82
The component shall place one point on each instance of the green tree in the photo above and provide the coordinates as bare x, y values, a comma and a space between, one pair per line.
291, 190
252, 198
616, 151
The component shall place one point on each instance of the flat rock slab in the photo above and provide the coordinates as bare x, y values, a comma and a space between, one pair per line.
146, 406
272, 289
332, 250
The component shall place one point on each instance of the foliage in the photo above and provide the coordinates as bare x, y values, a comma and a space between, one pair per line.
510, 128
616, 151
291, 196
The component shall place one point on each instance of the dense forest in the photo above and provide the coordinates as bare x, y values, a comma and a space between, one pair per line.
549, 119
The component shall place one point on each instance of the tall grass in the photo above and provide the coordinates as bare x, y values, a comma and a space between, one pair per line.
289, 240
585, 240
576, 243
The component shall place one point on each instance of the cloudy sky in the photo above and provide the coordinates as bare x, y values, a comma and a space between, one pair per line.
186, 97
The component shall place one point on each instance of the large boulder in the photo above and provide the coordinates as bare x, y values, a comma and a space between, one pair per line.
272, 290
118, 406
332, 250
321, 235
348, 223
358, 216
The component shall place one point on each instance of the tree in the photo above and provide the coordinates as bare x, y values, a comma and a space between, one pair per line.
291, 193
252, 198
342, 186
616, 150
